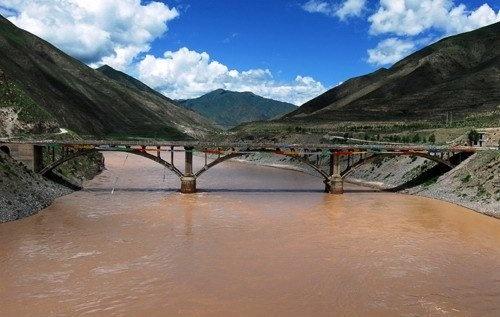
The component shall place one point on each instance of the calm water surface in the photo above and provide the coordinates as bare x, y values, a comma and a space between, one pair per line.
258, 242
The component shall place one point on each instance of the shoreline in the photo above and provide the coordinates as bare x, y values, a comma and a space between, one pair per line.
25, 193
34, 202
477, 206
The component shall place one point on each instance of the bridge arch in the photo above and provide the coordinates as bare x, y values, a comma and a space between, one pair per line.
236, 154
372, 157
5, 149
49, 168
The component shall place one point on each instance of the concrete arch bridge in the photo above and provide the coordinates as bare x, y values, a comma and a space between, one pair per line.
163, 152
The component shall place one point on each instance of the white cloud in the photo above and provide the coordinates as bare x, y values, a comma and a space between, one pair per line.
343, 11
188, 74
463, 21
390, 51
317, 6
96, 32
412, 17
350, 8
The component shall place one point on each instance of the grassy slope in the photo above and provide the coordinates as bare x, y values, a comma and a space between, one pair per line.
11, 96
86, 101
458, 75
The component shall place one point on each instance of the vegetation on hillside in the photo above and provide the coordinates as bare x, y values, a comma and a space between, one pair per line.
27, 109
473, 184
84, 100
453, 79
79, 169
230, 108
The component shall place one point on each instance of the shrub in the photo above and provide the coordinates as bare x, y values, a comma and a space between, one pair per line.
432, 139
466, 179
473, 137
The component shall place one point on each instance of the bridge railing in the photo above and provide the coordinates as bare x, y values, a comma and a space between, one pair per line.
251, 145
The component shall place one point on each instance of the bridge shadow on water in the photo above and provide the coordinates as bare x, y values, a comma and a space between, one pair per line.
224, 190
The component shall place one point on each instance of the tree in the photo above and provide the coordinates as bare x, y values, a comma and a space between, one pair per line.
473, 137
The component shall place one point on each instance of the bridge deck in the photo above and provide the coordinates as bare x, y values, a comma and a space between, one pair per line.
252, 145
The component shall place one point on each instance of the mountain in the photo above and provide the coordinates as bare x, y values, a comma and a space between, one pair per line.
129, 81
459, 75
43, 88
230, 108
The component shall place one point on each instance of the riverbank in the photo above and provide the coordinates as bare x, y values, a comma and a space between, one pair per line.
23, 192
474, 184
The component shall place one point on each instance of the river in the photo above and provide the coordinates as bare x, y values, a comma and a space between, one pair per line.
258, 241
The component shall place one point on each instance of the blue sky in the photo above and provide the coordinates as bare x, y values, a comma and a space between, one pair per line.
277, 34
288, 50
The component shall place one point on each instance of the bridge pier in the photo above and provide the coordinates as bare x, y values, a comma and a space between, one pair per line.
335, 184
188, 184
188, 181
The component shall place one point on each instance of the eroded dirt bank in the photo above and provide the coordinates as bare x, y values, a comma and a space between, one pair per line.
22, 192
474, 184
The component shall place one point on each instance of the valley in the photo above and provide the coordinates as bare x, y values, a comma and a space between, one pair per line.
378, 197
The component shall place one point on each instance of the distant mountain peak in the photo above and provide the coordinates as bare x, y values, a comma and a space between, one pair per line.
105, 66
225, 91
231, 108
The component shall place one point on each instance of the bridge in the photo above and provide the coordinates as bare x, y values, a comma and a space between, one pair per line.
342, 158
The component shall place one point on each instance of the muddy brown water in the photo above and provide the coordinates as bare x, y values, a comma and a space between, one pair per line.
257, 242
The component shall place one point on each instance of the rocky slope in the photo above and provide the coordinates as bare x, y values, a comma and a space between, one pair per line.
23, 192
230, 108
390, 172
81, 99
474, 184
459, 75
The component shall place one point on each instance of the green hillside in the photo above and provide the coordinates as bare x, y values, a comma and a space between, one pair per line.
52, 85
458, 76
230, 108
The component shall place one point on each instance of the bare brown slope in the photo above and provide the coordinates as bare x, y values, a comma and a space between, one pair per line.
86, 101
459, 75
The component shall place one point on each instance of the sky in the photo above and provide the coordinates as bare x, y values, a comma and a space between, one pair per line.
289, 50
